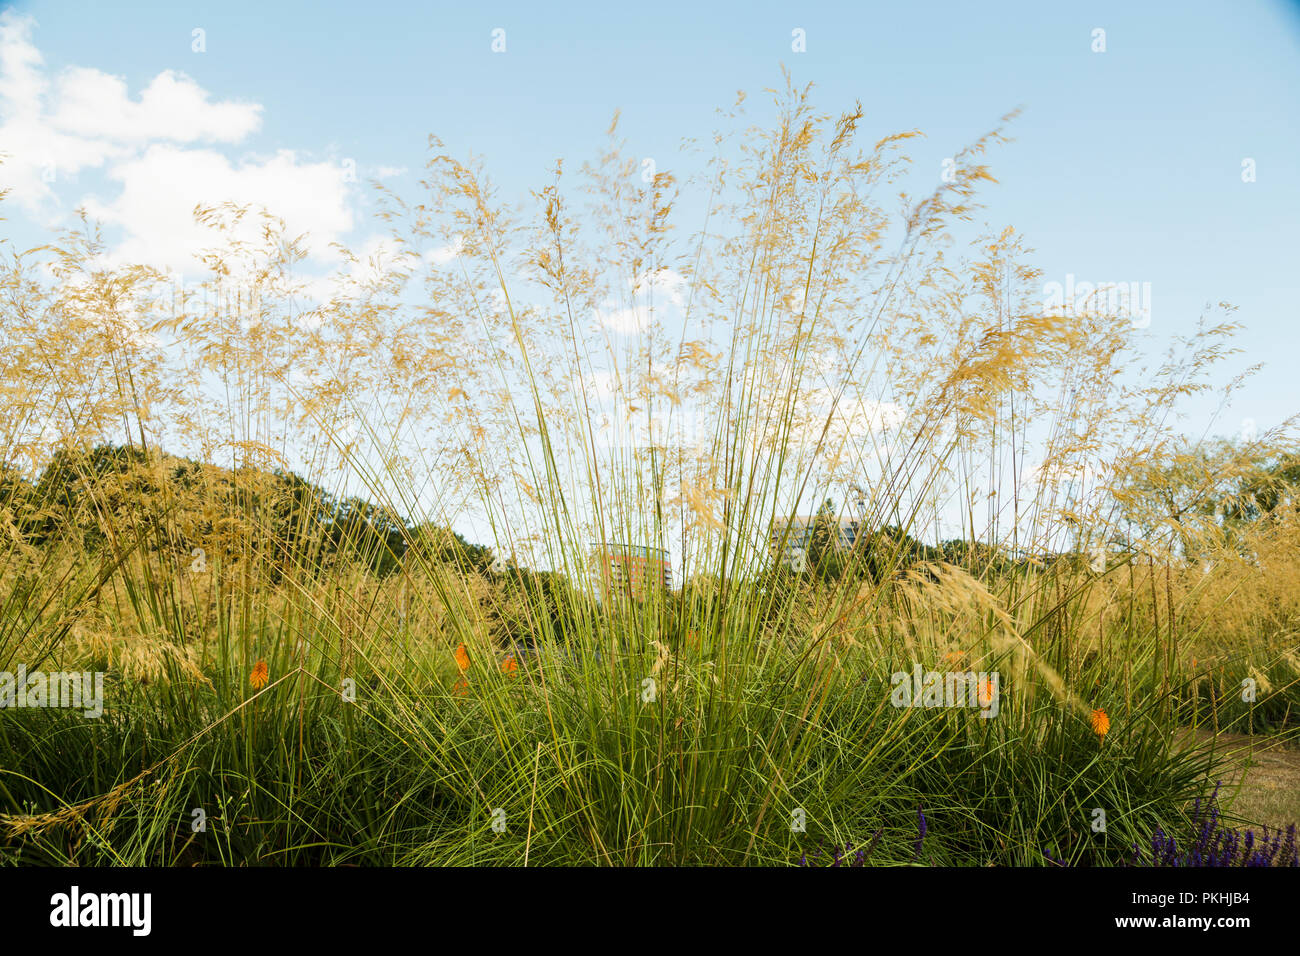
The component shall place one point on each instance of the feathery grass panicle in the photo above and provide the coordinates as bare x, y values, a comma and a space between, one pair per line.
264, 475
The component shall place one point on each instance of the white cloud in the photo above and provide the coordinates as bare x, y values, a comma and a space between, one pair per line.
630, 321
653, 293
161, 188
21, 81
91, 104
374, 260
162, 147
661, 284
855, 415
35, 152
442, 255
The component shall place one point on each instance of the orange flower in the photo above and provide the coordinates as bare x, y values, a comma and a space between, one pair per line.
509, 665
462, 658
260, 675
462, 688
1100, 723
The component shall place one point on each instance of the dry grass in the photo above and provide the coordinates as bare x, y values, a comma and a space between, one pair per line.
578, 369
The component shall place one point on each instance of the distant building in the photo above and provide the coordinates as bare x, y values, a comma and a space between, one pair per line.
793, 550
631, 570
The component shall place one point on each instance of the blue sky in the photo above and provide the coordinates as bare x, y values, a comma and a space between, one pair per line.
1127, 164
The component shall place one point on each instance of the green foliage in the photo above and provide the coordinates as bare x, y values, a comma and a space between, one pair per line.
415, 688
297, 523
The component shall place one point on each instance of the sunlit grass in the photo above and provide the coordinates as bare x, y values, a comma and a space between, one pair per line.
305, 666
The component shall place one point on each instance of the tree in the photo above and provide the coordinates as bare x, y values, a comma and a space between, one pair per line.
826, 557
1207, 492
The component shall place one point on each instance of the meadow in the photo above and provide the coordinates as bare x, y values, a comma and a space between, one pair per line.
244, 503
